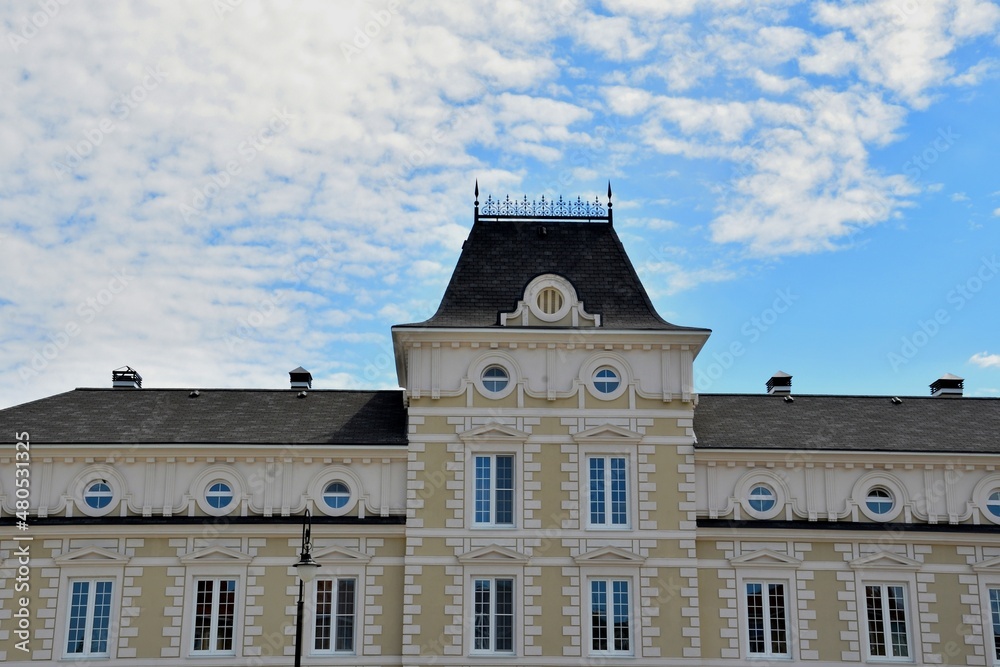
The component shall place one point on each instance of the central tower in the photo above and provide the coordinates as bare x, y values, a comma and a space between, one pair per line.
550, 487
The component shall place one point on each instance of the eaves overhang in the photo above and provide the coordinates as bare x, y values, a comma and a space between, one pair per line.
405, 335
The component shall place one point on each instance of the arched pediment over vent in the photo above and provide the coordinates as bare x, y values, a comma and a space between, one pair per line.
550, 300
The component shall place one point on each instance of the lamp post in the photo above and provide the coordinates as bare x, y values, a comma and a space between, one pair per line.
306, 569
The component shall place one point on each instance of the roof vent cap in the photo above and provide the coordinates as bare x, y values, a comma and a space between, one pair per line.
126, 377
301, 378
780, 384
948, 386
896, 400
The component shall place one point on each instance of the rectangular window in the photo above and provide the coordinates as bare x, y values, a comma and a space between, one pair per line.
610, 616
214, 615
608, 492
493, 613
335, 614
995, 619
887, 633
767, 626
494, 490
89, 618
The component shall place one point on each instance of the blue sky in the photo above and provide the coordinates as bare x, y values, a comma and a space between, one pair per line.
217, 192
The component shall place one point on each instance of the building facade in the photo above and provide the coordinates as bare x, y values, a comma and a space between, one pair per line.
546, 489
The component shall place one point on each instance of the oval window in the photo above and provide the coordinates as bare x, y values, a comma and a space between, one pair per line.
98, 495
993, 504
219, 495
336, 495
879, 500
495, 379
762, 498
606, 380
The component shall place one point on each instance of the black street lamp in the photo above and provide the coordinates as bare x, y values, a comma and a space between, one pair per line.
306, 569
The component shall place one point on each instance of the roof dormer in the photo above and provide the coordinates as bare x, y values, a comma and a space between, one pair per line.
550, 301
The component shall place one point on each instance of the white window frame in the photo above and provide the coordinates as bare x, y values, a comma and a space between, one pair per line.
493, 579
609, 578
765, 583
487, 448
492, 522
200, 571
989, 579
494, 570
605, 451
991, 622
89, 618
909, 614
89, 568
494, 358
334, 615
755, 571
900, 500
212, 475
214, 626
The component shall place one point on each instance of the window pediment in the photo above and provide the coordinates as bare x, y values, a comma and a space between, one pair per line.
765, 558
988, 565
609, 556
492, 433
91, 556
337, 554
215, 555
494, 554
885, 559
608, 434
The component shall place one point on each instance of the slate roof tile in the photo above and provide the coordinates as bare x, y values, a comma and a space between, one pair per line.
501, 257
848, 423
250, 416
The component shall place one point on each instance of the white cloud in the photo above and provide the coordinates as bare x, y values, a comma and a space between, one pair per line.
985, 360
346, 215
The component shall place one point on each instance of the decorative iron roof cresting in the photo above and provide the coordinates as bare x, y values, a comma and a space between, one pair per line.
564, 209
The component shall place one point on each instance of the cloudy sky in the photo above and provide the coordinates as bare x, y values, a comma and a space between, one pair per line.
216, 192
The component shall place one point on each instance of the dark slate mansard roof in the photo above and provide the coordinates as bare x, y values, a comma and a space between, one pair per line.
221, 416
849, 423
501, 257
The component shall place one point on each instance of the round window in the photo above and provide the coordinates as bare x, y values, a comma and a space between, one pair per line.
336, 495
762, 498
879, 500
606, 380
993, 504
219, 495
495, 379
98, 495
